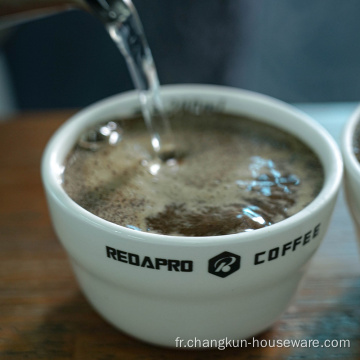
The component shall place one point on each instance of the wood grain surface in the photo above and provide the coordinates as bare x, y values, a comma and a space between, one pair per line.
43, 314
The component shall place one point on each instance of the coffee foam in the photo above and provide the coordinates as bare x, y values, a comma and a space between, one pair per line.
233, 174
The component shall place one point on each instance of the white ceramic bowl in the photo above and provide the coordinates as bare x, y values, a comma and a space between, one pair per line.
127, 275
352, 168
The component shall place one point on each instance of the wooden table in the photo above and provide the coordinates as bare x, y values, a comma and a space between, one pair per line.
43, 315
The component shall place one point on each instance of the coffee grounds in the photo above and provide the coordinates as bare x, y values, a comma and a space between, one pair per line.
234, 174
208, 221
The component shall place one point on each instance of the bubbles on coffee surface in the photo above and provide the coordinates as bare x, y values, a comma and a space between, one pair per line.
97, 137
267, 179
235, 175
271, 193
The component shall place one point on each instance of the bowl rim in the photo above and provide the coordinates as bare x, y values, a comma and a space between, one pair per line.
51, 170
351, 163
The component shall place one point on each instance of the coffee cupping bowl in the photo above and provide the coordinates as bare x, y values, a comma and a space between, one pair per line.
352, 168
161, 288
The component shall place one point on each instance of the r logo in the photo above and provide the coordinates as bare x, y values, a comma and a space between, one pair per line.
224, 264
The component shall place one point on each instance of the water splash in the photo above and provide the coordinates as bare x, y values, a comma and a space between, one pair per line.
97, 137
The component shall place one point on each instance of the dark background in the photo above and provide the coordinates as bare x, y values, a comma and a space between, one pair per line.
298, 51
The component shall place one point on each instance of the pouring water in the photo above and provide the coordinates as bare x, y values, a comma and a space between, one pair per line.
123, 24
